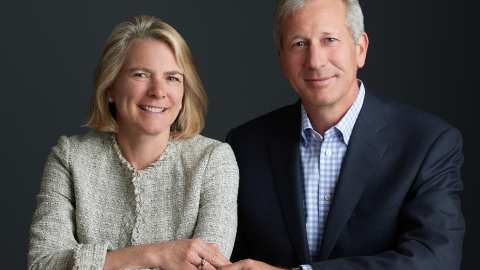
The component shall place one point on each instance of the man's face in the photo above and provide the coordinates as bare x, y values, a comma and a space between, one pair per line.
319, 56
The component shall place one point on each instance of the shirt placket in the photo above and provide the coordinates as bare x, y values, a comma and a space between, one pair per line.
325, 184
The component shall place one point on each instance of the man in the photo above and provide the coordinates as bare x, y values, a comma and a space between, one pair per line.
343, 179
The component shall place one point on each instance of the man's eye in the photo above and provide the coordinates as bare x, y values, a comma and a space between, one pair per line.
330, 39
141, 75
299, 44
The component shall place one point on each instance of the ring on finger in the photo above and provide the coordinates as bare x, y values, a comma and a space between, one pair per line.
202, 263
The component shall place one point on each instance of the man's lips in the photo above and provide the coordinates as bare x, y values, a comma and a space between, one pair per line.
320, 81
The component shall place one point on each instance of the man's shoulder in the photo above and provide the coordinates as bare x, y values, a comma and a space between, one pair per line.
404, 123
398, 112
254, 133
270, 119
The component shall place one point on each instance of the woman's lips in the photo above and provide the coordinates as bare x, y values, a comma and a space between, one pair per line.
152, 109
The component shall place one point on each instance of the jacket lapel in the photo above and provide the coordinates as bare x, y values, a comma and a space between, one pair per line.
286, 167
364, 152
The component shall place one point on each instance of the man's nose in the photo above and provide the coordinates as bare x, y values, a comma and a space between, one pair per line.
316, 56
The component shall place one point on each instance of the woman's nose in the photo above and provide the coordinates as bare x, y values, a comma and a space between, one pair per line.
157, 89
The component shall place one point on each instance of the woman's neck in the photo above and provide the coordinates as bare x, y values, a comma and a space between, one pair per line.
142, 150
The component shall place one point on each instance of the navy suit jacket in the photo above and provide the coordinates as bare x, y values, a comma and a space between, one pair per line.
396, 202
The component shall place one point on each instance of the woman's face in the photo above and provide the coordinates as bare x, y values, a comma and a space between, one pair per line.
148, 91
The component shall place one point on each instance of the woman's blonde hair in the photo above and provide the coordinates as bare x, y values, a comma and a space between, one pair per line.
101, 115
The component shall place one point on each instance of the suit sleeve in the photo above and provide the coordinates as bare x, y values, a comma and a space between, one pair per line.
53, 244
240, 249
431, 226
217, 219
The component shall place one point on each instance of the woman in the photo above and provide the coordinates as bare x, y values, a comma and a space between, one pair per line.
143, 189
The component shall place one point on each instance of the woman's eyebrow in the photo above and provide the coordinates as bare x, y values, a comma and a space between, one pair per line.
140, 68
174, 72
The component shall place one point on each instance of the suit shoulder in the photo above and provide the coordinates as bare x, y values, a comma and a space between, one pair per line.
413, 125
403, 113
269, 119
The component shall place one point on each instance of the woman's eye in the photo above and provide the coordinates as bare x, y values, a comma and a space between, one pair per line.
141, 75
173, 79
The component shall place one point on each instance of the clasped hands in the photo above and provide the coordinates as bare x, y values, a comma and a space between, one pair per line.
187, 254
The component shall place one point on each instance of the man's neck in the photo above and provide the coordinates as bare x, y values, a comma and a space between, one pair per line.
324, 117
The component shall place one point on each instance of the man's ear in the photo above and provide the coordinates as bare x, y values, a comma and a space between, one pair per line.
279, 53
362, 47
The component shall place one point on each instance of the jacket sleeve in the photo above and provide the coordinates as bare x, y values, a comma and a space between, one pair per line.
431, 226
53, 243
217, 219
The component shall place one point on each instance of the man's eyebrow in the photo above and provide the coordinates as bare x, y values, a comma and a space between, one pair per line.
302, 36
174, 72
298, 36
329, 33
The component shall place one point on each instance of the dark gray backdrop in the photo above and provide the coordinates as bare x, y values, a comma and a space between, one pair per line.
424, 53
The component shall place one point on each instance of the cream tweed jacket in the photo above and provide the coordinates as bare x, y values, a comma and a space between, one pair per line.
92, 200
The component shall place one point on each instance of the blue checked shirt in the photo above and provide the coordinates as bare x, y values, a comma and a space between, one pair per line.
321, 162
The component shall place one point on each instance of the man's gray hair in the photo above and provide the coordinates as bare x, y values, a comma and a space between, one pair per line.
285, 8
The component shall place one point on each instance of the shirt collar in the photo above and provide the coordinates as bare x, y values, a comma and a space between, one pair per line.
344, 126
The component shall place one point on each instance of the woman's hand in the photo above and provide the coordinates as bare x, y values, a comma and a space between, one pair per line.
172, 255
186, 254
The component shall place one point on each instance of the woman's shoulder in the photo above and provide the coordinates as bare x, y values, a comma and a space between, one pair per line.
199, 140
93, 137
201, 145
94, 140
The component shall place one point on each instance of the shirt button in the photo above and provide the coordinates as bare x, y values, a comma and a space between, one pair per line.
328, 153
328, 197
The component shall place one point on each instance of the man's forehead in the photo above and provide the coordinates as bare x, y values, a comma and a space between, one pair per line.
329, 17
324, 8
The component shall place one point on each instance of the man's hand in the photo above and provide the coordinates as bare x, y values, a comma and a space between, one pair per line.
248, 264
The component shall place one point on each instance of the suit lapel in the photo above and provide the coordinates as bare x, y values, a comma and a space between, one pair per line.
363, 155
286, 167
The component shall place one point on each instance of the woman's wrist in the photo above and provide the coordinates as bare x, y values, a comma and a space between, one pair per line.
151, 254
141, 256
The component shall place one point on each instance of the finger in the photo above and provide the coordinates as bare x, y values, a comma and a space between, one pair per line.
212, 255
247, 264
208, 266
217, 259
234, 266
202, 264
213, 245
